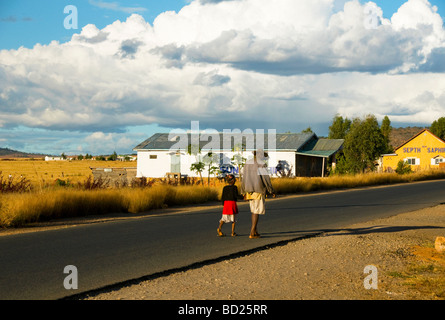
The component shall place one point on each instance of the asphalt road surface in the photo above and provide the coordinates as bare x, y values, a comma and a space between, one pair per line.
32, 264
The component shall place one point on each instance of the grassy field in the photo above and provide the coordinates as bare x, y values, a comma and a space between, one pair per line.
41, 172
48, 201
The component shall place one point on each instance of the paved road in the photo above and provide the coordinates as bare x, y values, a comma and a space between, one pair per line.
31, 265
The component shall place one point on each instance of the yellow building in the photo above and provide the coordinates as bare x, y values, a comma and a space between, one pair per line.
423, 151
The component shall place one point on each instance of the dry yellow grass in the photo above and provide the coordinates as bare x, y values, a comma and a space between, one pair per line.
41, 172
160, 196
425, 271
296, 185
56, 202
18, 209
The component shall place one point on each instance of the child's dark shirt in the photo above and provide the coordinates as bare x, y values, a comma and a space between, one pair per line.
229, 193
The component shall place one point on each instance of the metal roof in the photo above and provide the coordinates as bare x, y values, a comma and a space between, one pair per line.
302, 143
321, 147
284, 141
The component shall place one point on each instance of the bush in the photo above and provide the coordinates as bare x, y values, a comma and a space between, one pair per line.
61, 183
403, 167
10, 184
93, 184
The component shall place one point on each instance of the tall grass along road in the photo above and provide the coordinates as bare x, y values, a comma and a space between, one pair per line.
42, 203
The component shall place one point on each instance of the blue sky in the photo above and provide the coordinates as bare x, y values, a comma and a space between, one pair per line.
226, 63
391, 6
27, 22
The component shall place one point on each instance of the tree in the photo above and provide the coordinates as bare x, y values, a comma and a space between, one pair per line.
239, 161
386, 131
193, 150
342, 166
113, 157
339, 127
438, 128
307, 130
364, 143
209, 159
198, 167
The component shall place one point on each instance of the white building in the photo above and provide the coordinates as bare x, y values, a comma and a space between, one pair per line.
299, 154
48, 158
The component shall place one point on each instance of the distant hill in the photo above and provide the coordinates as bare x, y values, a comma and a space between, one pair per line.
9, 153
399, 135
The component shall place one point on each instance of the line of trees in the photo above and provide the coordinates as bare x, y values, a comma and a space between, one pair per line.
438, 127
112, 157
365, 141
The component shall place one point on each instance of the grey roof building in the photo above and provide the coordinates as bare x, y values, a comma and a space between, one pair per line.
306, 143
311, 154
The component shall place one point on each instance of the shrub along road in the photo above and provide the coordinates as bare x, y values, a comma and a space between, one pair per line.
32, 264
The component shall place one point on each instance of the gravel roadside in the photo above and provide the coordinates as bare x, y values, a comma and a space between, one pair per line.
400, 249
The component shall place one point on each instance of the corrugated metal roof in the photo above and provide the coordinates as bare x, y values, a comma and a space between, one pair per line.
322, 154
322, 147
325, 144
284, 141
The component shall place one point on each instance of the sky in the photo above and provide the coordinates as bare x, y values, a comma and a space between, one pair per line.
96, 76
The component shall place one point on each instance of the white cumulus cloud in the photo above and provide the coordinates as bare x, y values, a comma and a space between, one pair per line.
284, 64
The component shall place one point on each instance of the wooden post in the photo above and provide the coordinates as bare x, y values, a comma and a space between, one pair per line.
322, 169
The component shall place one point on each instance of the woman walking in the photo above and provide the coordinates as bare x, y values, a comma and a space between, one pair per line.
255, 184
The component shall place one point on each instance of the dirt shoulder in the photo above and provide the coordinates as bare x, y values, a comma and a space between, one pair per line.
331, 266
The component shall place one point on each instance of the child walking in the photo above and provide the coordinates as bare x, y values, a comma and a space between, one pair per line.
230, 208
